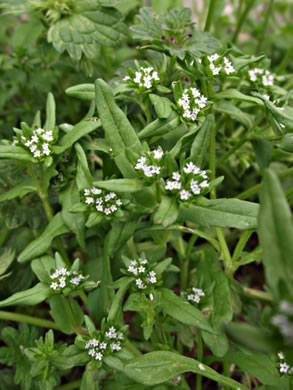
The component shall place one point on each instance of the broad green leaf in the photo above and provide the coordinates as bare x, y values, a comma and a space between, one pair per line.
222, 212
42, 268
234, 112
167, 212
160, 127
75, 222
20, 190
66, 313
183, 311
118, 235
15, 153
202, 141
161, 105
275, 232
287, 143
82, 91
241, 62
259, 366
90, 380
160, 366
78, 131
88, 25
234, 94
263, 152
32, 296
50, 113
120, 185
41, 244
118, 131
6, 259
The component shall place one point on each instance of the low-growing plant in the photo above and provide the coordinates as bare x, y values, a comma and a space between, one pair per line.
137, 249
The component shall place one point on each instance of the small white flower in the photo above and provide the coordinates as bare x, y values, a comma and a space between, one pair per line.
185, 195
37, 153
54, 285
141, 269
35, 138
284, 367
86, 192
103, 345
281, 355
96, 191
142, 261
158, 154
126, 78
176, 176
89, 200
204, 184
100, 208
92, 352
99, 356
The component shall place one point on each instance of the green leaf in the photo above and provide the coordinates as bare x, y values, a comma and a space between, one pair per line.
82, 91
259, 366
42, 267
75, 222
167, 212
234, 94
6, 259
234, 112
160, 366
201, 141
41, 244
161, 105
183, 311
263, 152
287, 143
50, 113
120, 185
88, 25
83, 177
20, 190
94, 219
116, 306
118, 131
32, 296
66, 313
222, 212
118, 235
78, 131
241, 62
160, 127
275, 233
15, 153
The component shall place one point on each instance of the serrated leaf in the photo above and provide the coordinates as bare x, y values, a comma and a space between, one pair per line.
41, 244
159, 366
222, 213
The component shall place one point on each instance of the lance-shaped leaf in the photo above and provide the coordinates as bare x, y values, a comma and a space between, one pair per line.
234, 112
160, 127
50, 113
20, 190
78, 131
86, 26
222, 213
118, 131
15, 153
167, 212
32, 296
41, 244
75, 222
120, 185
234, 94
82, 91
183, 311
202, 141
66, 313
275, 233
159, 366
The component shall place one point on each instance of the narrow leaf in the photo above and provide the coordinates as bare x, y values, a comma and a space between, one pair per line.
32, 296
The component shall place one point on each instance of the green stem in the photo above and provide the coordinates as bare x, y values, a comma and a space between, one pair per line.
226, 367
241, 20
225, 252
131, 248
253, 190
6, 315
210, 15
199, 358
184, 263
257, 294
3, 235
213, 160
132, 348
69, 386
264, 26
241, 244
285, 61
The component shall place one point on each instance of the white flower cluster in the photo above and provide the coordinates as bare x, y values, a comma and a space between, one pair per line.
148, 164
108, 342
284, 367
222, 64
39, 143
62, 278
104, 201
193, 294
144, 276
145, 77
191, 102
261, 76
192, 181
